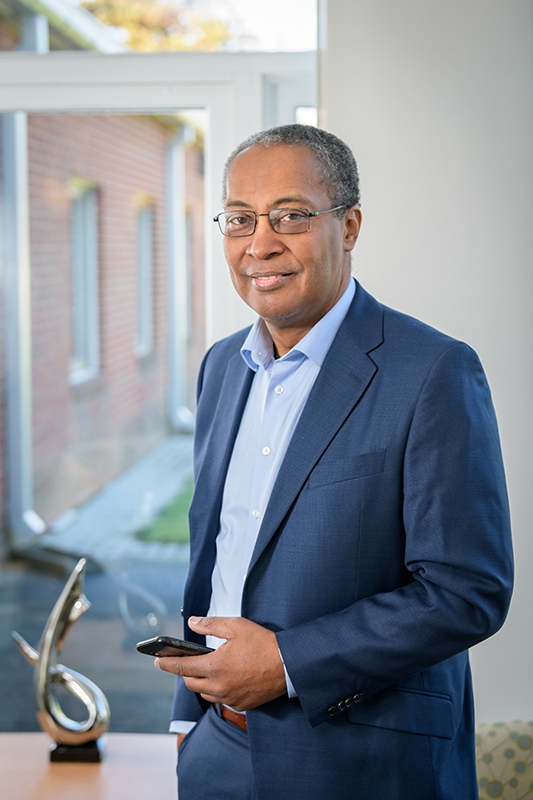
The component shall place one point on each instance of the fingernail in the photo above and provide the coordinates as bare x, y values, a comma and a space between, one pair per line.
194, 620
156, 662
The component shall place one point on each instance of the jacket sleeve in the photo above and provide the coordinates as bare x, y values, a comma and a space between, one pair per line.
186, 705
457, 550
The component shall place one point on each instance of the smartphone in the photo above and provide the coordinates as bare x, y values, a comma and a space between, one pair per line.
167, 646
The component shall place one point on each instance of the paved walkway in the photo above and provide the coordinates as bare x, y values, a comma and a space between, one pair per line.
104, 528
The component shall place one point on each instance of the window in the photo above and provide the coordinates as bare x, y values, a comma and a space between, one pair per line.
306, 115
85, 350
145, 300
79, 441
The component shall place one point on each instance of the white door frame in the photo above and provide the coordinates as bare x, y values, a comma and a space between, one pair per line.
242, 92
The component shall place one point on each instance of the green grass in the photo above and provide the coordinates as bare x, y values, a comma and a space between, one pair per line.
172, 524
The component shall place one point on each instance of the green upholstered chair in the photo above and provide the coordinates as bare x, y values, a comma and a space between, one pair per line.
504, 760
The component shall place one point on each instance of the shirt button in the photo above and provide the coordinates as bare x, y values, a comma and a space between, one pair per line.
266, 451
255, 513
278, 389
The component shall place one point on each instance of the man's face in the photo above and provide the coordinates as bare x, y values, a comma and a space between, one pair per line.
291, 280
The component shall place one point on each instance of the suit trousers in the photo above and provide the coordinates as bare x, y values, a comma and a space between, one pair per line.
214, 761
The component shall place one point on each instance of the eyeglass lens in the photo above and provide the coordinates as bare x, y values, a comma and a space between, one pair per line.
283, 220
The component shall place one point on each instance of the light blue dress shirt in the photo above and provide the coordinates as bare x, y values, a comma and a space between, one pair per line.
278, 394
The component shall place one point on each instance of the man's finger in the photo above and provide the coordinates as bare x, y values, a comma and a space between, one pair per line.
221, 627
187, 666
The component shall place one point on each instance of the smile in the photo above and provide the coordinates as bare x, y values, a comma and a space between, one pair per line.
269, 281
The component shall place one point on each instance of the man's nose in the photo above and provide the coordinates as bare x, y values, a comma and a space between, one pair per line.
264, 241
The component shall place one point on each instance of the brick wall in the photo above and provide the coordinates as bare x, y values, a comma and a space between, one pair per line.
84, 435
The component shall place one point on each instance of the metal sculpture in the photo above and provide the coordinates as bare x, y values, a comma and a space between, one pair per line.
75, 741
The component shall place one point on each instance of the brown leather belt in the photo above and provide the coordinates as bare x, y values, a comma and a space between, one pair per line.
232, 716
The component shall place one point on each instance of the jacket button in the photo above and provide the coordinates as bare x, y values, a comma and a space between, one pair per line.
181, 611
348, 702
357, 697
341, 705
332, 710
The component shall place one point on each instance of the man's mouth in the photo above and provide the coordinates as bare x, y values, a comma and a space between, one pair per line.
269, 280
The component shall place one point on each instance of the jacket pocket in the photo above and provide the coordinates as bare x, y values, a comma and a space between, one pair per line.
345, 469
408, 710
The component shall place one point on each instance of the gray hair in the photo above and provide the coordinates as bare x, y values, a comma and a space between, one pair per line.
339, 170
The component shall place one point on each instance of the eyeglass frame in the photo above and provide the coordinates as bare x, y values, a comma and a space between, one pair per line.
282, 233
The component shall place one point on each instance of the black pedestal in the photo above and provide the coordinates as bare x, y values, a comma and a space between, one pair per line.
87, 753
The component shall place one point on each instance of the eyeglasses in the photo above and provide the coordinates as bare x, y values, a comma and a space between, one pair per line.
283, 220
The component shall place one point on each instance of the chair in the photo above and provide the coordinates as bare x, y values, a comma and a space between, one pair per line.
504, 760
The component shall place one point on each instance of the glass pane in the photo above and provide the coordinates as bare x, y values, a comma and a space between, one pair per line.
163, 25
115, 352
99, 256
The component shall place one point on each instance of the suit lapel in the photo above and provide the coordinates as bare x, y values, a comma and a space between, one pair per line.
217, 453
345, 374
226, 419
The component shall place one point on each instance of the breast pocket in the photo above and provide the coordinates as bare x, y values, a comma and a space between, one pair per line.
360, 465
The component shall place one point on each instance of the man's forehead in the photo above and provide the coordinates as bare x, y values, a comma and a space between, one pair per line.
288, 174
294, 154
298, 199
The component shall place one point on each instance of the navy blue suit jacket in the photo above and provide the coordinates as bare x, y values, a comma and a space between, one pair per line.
383, 556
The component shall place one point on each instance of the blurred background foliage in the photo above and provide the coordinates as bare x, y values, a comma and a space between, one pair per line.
147, 26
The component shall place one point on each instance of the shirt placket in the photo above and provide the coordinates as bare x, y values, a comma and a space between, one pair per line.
277, 408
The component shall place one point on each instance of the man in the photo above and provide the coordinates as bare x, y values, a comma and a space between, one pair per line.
349, 529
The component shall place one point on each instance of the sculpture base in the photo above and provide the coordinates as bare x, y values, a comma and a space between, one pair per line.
88, 753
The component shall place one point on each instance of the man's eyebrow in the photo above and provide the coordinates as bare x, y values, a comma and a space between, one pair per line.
295, 198
298, 200
238, 203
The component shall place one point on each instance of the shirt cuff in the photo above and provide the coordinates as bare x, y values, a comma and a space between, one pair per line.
181, 726
291, 691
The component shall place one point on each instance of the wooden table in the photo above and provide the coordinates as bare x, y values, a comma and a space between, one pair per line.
136, 766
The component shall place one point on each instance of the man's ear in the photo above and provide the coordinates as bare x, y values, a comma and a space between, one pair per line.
352, 225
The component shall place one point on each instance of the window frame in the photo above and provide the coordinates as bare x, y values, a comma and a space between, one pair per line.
230, 87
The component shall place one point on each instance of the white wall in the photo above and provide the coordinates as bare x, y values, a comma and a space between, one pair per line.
436, 100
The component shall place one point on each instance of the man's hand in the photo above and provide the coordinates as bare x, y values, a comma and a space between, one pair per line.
246, 671
181, 737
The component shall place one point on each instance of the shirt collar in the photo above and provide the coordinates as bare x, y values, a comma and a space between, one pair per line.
258, 350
